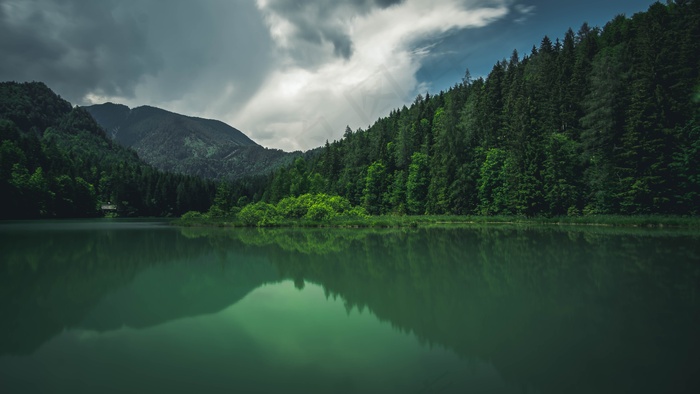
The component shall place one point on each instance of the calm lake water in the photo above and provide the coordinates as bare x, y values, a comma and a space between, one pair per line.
139, 306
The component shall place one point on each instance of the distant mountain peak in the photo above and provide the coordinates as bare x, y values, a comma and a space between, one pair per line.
186, 144
137, 123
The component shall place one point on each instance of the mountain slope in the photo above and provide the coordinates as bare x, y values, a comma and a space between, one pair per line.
184, 144
56, 161
132, 126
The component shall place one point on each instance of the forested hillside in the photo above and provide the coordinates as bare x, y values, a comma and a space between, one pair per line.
600, 121
55, 161
182, 144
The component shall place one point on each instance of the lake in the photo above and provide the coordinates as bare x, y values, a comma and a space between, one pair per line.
117, 306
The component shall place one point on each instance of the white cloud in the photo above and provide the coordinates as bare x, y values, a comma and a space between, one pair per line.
290, 74
300, 105
524, 12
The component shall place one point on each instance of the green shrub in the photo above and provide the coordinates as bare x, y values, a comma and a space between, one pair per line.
320, 211
260, 214
573, 211
339, 204
295, 207
192, 215
216, 212
314, 206
356, 212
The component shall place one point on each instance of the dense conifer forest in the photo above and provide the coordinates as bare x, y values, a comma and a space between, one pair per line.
602, 121
56, 162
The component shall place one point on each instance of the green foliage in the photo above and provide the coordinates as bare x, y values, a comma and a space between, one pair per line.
320, 212
417, 183
55, 161
493, 186
295, 207
686, 166
222, 200
373, 195
315, 208
600, 122
560, 169
260, 214
192, 215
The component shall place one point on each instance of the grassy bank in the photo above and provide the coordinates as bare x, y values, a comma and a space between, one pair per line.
322, 210
388, 221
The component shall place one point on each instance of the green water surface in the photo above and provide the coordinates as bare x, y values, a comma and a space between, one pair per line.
139, 306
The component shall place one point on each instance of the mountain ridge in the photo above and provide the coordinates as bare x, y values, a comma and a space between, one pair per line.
190, 145
98, 112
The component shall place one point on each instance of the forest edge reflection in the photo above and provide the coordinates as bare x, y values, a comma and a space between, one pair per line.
539, 303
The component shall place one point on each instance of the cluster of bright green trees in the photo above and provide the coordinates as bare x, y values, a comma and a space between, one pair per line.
601, 121
314, 208
55, 161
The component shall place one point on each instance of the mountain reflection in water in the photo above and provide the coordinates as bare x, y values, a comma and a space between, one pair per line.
538, 309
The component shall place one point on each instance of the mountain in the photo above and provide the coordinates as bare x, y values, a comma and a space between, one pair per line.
144, 124
56, 161
189, 145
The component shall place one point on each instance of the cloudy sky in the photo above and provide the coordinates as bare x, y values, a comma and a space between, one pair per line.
291, 74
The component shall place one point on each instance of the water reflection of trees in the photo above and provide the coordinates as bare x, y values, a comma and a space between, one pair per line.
599, 307
51, 279
548, 307
306, 241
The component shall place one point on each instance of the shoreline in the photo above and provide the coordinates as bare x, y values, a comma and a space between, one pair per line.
389, 221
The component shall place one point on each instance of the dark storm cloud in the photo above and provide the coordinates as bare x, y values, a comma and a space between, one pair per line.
319, 21
387, 3
72, 45
167, 49
208, 46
